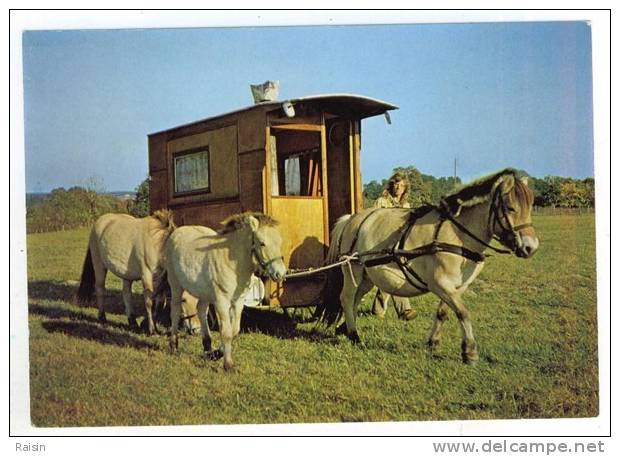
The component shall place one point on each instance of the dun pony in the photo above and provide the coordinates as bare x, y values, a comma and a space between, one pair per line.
131, 248
216, 269
438, 249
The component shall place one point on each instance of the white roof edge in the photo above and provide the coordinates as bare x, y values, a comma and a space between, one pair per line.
389, 106
346, 95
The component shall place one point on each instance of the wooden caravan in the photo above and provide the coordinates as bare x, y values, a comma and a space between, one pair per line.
298, 161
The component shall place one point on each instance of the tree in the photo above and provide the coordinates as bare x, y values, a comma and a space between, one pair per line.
94, 187
66, 209
141, 206
588, 190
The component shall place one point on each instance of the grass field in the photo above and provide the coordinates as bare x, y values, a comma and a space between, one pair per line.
534, 321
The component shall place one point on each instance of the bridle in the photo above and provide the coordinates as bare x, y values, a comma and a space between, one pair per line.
498, 215
264, 264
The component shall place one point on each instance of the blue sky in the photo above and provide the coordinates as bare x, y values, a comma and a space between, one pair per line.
490, 95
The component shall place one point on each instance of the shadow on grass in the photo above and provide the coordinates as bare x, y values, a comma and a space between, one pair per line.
269, 322
279, 325
94, 332
54, 291
58, 313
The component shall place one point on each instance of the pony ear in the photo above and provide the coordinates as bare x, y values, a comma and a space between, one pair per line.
524, 180
253, 222
506, 183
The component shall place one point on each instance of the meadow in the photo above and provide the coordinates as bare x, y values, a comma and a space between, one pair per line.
534, 320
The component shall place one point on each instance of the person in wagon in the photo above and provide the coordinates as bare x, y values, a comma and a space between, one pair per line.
395, 195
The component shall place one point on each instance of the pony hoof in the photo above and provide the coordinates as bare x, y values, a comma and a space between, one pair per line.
408, 315
213, 355
354, 338
470, 358
228, 367
342, 329
148, 329
133, 325
433, 344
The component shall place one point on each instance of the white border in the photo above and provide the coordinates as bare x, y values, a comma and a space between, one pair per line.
21, 21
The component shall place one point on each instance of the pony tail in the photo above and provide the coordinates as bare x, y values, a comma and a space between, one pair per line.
161, 295
166, 219
86, 290
329, 309
336, 239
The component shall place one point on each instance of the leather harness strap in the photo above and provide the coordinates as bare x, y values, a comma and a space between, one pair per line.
402, 257
498, 214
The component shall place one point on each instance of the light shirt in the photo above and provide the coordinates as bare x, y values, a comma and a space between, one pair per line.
387, 200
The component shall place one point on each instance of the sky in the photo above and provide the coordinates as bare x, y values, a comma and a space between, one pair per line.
489, 96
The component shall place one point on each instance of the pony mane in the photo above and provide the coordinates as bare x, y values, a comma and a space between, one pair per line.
523, 193
238, 221
165, 217
480, 191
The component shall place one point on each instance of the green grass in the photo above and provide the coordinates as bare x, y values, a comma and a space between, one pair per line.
534, 321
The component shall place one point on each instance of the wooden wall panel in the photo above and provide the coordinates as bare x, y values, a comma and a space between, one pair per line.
338, 171
252, 131
251, 169
205, 214
158, 192
157, 153
301, 226
223, 161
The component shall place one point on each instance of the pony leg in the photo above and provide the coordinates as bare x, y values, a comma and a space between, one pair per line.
350, 298
147, 285
209, 353
469, 349
441, 316
175, 316
190, 307
237, 310
224, 317
100, 274
131, 318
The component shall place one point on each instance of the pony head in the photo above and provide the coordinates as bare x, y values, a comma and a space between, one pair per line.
266, 242
510, 213
510, 217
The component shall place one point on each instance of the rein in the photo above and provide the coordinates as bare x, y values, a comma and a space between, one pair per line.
445, 213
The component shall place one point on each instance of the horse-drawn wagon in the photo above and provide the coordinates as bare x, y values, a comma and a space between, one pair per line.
296, 160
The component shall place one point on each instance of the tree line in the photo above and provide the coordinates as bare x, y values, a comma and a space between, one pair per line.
64, 209
549, 191
79, 206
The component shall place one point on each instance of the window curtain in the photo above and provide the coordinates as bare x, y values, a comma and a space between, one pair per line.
293, 176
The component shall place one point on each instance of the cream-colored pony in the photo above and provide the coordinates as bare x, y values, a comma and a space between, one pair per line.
131, 248
431, 249
216, 268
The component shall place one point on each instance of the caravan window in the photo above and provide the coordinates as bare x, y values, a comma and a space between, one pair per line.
191, 171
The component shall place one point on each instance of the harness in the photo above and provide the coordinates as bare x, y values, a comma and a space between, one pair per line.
498, 214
